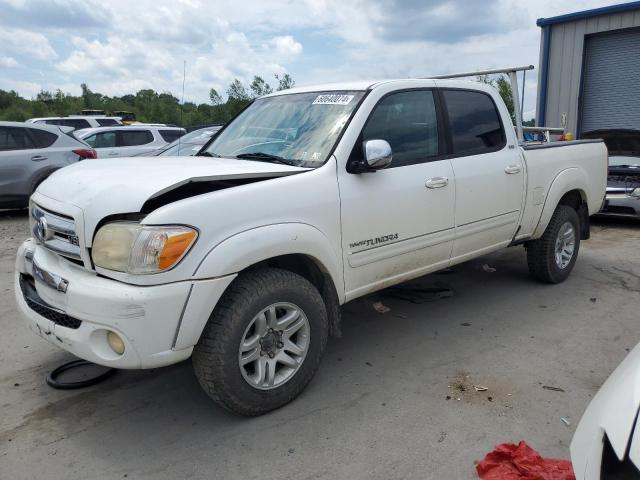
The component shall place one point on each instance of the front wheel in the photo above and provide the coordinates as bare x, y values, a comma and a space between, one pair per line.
263, 342
552, 257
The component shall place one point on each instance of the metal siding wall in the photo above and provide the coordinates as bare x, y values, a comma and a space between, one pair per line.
565, 63
612, 74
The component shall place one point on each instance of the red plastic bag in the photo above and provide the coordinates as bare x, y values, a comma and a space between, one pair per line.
521, 462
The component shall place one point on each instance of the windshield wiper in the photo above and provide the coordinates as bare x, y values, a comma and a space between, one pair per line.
207, 154
266, 157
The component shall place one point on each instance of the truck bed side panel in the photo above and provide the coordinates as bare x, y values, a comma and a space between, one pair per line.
555, 169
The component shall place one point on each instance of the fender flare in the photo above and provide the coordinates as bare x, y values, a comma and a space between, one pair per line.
567, 180
250, 247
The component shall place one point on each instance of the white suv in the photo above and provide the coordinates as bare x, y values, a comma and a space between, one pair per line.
79, 121
129, 141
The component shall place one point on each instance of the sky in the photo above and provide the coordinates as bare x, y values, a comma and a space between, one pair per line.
119, 47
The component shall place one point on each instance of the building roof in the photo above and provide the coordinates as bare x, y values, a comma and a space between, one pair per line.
569, 17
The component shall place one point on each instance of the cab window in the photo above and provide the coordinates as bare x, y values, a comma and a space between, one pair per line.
474, 122
408, 121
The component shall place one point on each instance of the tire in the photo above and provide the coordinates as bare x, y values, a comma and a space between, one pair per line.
237, 320
541, 253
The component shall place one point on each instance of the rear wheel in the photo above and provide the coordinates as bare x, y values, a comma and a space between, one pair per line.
263, 342
552, 257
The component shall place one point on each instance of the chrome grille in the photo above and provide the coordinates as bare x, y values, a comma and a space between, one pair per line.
56, 232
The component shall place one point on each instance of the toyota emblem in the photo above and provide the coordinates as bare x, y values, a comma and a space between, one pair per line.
41, 230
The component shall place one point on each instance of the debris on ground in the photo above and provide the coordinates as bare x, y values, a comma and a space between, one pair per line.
566, 421
417, 293
488, 269
521, 462
554, 389
381, 307
465, 324
593, 300
480, 388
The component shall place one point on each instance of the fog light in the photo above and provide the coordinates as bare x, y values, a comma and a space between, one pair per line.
115, 342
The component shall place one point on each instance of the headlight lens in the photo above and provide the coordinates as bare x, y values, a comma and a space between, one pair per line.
635, 193
134, 248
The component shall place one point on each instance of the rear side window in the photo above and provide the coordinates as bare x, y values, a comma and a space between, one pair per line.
474, 122
42, 138
76, 123
102, 140
408, 121
171, 135
15, 138
131, 138
107, 122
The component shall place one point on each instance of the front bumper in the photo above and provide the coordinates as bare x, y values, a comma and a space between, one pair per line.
607, 439
74, 308
620, 203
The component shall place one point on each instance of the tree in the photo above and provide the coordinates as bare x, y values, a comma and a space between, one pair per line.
504, 89
147, 104
285, 82
259, 87
215, 97
236, 91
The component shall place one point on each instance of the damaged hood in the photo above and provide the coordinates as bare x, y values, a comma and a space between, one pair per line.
114, 186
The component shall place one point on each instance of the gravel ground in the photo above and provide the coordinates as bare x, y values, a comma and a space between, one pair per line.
394, 397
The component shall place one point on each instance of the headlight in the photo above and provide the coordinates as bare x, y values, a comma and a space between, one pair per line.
635, 193
134, 248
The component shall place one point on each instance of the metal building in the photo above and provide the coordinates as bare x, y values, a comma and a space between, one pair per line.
589, 74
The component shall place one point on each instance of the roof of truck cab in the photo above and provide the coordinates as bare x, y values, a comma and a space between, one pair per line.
363, 85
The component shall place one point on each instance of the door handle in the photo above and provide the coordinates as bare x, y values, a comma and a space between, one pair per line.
111, 154
511, 169
437, 182
38, 158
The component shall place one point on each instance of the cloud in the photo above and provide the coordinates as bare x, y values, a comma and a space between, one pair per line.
59, 14
25, 42
120, 46
8, 62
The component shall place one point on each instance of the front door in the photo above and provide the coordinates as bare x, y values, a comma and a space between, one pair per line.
397, 223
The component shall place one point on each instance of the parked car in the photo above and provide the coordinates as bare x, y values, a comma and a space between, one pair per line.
623, 189
79, 122
29, 153
242, 256
188, 145
606, 444
129, 140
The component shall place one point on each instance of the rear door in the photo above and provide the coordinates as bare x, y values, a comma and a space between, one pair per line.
104, 143
489, 172
24, 161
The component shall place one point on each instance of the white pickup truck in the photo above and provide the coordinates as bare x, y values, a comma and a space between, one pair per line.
241, 257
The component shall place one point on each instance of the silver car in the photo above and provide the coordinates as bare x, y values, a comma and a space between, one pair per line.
29, 153
129, 141
623, 187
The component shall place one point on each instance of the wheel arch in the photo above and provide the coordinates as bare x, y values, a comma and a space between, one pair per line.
568, 188
299, 248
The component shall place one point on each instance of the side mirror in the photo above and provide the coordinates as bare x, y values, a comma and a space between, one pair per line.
377, 154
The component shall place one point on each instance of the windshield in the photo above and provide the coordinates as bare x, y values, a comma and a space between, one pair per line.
190, 143
300, 128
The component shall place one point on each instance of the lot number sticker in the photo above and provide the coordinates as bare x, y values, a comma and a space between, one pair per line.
333, 99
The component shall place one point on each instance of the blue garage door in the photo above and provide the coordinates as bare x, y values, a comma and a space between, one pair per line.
611, 89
